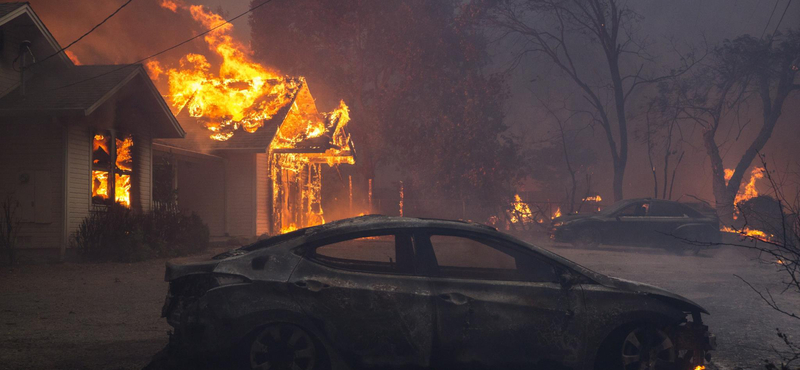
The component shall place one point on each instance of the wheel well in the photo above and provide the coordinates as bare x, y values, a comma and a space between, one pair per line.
273, 318
606, 347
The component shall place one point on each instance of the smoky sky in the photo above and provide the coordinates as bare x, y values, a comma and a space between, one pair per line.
144, 27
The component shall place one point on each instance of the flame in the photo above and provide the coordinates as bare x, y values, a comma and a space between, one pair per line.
122, 189
748, 232
100, 143
171, 5
100, 184
73, 57
521, 211
749, 191
594, 198
699, 367
124, 158
557, 213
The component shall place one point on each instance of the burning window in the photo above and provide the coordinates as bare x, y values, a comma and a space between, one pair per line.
112, 167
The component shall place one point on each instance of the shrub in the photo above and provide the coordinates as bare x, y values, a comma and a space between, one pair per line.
117, 234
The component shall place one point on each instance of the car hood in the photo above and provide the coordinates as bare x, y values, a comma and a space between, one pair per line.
178, 268
568, 218
647, 289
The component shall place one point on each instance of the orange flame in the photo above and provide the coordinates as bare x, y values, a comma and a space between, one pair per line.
122, 189
124, 156
748, 232
557, 213
595, 198
100, 184
521, 211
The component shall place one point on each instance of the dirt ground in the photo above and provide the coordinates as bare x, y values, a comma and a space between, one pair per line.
106, 316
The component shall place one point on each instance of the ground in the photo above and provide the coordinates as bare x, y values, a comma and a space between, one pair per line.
106, 316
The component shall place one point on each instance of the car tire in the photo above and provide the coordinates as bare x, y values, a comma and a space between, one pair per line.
587, 238
641, 347
283, 346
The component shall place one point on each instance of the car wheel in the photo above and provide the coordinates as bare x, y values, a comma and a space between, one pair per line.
284, 346
647, 348
587, 238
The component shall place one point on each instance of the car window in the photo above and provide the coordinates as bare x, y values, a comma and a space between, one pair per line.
377, 253
638, 209
664, 209
462, 257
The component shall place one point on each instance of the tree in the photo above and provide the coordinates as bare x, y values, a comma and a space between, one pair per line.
414, 77
571, 34
740, 72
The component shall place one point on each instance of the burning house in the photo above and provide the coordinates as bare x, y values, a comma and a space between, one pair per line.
262, 182
73, 138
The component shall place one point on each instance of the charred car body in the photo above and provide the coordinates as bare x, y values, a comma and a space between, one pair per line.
637, 221
386, 292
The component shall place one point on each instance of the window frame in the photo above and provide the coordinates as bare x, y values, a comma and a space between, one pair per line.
112, 170
426, 256
404, 252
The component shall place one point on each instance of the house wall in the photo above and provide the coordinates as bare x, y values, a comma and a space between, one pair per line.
142, 187
201, 189
31, 153
262, 193
240, 193
79, 174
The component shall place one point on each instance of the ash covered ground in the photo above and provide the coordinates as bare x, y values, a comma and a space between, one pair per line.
106, 316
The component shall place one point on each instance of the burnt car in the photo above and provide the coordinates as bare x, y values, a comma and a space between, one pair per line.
389, 292
637, 221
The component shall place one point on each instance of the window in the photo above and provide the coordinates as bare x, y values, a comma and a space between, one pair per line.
635, 210
369, 253
461, 257
663, 209
112, 168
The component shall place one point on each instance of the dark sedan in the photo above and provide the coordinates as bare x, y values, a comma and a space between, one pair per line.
637, 221
387, 292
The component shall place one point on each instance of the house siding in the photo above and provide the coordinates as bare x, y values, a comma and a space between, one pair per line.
201, 189
79, 188
240, 193
32, 157
142, 189
262, 192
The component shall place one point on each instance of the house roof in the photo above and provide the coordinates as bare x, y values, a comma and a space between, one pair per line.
80, 90
12, 10
198, 138
6, 8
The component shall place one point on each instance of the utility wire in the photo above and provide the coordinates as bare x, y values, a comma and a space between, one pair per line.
770, 18
87, 33
167, 49
782, 15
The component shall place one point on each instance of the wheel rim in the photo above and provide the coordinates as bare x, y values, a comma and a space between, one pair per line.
648, 349
588, 238
283, 347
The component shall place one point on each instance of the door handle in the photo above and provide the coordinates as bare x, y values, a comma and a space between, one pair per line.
311, 285
454, 298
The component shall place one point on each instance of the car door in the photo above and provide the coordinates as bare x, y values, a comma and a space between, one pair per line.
361, 290
497, 306
631, 224
665, 218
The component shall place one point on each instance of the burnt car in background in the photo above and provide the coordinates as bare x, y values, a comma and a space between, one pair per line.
637, 221
387, 292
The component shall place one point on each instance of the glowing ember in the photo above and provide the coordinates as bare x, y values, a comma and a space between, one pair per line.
594, 198
100, 184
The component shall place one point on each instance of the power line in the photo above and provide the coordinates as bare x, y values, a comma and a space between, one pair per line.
782, 15
167, 49
770, 18
87, 33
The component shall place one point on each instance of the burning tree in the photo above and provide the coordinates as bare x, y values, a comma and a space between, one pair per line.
739, 72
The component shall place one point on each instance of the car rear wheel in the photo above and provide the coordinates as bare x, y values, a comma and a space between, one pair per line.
284, 346
647, 348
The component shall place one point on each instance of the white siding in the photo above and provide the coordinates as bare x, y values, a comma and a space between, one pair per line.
201, 189
78, 175
31, 153
142, 188
262, 182
240, 193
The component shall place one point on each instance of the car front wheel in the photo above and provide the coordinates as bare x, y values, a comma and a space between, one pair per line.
647, 348
284, 346
587, 238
